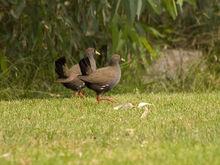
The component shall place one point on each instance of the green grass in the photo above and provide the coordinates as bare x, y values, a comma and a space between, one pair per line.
180, 129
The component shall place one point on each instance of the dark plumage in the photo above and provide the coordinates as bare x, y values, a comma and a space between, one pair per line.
68, 76
103, 79
85, 64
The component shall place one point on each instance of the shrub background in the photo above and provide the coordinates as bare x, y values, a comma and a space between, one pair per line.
35, 33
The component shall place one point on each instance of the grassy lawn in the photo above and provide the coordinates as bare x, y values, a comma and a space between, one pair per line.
180, 129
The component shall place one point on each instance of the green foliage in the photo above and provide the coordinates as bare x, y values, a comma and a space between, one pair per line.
35, 33
3, 63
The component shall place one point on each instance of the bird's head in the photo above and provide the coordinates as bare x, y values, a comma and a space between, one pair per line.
116, 59
91, 52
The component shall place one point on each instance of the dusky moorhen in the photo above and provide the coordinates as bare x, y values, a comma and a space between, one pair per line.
103, 79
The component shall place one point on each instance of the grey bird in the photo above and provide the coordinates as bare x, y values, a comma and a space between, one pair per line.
104, 79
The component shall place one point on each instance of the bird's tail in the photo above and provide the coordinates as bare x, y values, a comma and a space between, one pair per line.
85, 66
59, 67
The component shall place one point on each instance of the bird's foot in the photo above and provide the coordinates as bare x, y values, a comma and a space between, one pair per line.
109, 99
80, 94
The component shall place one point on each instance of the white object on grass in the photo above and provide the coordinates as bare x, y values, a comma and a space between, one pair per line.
145, 113
124, 106
143, 104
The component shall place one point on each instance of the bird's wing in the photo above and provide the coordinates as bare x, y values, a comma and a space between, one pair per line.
71, 73
75, 69
100, 76
66, 80
66, 70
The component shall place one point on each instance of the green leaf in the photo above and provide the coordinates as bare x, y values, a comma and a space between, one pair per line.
139, 6
147, 45
133, 34
170, 6
115, 34
132, 10
155, 5
116, 8
3, 62
191, 2
180, 4
153, 31
20, 7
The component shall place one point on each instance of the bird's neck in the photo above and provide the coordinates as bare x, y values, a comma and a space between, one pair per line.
115, 66
112, 63
92, 62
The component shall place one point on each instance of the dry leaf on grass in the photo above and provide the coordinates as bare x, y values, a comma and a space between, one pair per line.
124, 106
6, 155
145, 113
143, 104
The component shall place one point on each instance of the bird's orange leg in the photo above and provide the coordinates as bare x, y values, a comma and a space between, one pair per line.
98, 98
80, 94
